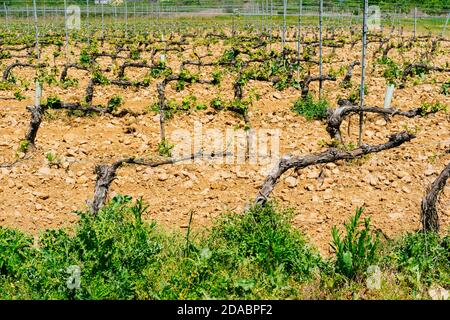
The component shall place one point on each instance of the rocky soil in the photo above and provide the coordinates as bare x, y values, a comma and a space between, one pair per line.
35, 195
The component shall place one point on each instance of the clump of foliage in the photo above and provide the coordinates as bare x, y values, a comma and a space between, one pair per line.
392, 72
160, 69
53, 102
45, 76
421, 258
53, 160
135, 53
18, 95
311, 109
15, 249
170, 108
5, 55
229, 55
266, 237
85, 57
217, 103
24, 145
217, 77
258, 254
111, 250
433, 107
356, 249
69, 82
354, 96
185, 77
120, 256
187, 102
445, 89
99, 78
5, 85
239, 106
201, 106
114, 103
165, 148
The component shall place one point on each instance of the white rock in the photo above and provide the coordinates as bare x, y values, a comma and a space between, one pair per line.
291, 182
358, 202
429, 172
370, 133
70, 181
438, 293
401, 174
277, 95
44, 171
41, 195
406, 190
188, 184
241, 174
69, 138
370, 179
313, 174
328, 195
163, 177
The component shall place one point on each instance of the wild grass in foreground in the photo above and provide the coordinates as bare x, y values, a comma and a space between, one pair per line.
256, 255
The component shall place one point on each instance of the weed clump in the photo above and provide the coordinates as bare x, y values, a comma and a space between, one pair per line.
311, 109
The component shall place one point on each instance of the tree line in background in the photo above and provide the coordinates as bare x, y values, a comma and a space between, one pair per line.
427, 6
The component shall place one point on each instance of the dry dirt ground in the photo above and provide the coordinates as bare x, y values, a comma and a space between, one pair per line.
390, 184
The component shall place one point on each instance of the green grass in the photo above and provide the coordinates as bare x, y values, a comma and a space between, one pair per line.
256, 255
310, 108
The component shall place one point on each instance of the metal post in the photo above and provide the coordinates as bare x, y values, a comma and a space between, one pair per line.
446, 24
300, 9
6, 14
66, 45
103, 22
363, 71
320, 48
415, 22
126, 19
271, 24
283, 39
37, 97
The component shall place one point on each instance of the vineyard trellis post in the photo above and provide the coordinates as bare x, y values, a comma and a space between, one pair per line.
36, 29
415, 22
233, 27
299, 25
266, 16
6, 15
126, 18
283, 38
66, 44
271, 23
36, 111
363, 71
103, 21
320, 47
261, 13
299, 36
445, 25
87, 20
28, 18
